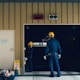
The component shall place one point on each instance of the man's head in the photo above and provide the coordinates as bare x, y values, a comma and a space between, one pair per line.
30, 43
51, 34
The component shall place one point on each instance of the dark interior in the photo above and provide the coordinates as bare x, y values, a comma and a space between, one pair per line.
69, 38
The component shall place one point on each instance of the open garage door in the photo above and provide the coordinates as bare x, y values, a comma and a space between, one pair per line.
69, 37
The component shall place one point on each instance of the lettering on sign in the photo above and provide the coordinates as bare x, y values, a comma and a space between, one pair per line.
3, 41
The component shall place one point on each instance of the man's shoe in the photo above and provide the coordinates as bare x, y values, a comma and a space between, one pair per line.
30, 71
58, 75
51, 75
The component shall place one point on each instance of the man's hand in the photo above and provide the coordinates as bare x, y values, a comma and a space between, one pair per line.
26, 59
44, 57
59, 56
49, 54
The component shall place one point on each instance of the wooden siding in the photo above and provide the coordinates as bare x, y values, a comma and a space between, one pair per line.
14, 15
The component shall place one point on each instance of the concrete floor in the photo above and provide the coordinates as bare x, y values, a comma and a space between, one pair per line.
45, 76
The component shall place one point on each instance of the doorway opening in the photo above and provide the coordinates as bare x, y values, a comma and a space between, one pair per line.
69, 37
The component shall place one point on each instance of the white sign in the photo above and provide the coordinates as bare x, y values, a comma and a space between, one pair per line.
39, 44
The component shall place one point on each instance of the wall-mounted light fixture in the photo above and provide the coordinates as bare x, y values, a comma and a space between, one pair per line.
53, 17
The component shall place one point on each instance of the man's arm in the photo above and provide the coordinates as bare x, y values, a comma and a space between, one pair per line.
46, 51
59, 50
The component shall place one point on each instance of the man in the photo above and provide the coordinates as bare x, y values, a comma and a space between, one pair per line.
53, 51
29, 55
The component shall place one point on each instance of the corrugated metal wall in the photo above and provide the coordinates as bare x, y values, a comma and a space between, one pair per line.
14, 15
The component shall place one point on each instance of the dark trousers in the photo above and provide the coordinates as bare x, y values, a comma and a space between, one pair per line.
7, 78
30, 64
10, 78
53, 61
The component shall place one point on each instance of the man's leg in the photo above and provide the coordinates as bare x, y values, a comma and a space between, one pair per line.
57, 66
30, 65
51, 66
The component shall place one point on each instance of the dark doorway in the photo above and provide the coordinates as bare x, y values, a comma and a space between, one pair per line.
69, 38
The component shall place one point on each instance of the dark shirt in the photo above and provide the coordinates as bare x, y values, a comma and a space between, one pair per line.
53, 46
29, 52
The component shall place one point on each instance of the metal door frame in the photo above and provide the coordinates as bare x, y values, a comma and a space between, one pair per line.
23, 70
